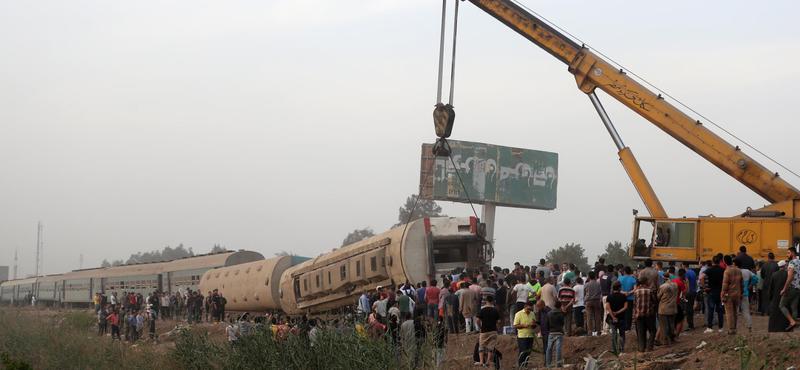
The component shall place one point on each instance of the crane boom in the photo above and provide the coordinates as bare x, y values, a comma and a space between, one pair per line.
592, 72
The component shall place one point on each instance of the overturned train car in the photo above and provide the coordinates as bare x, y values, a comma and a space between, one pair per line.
427, 248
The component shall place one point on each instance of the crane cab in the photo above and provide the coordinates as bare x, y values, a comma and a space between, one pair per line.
666, 239
693, 239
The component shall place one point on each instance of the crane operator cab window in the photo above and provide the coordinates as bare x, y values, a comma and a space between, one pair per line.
675, 234
649, 234
643, 235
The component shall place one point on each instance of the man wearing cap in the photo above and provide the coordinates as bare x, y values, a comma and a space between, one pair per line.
216, 305
777, 322
769, 268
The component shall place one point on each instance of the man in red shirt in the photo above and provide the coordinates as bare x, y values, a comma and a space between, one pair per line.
432, 299
680, 281
114, 320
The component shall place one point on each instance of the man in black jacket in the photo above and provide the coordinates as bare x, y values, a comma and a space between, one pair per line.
555, 325
769, 268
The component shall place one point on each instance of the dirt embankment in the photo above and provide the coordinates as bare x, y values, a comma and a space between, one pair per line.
720, 351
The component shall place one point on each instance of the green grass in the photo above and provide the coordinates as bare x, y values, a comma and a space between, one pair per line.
334, 350
69, 341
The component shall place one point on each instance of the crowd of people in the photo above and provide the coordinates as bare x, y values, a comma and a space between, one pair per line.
133, 312
540, 304
548, 302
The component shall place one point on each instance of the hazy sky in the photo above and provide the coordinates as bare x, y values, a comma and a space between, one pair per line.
283, 125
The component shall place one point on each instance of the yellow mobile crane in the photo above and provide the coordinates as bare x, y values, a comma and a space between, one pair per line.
773, 228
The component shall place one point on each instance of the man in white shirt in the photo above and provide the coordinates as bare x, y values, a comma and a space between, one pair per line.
580, 303
521, 291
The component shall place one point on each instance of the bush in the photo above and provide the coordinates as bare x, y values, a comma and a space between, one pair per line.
334, 349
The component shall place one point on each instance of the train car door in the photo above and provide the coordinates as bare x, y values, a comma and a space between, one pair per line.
160, 282
168, 288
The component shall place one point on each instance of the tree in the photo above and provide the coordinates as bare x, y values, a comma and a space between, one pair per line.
218, 249
284, 253
105, 263
168, 254
358, 235
570, 253
116, 263
425, 208
616, 254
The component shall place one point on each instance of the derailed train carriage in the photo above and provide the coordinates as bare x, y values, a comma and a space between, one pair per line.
427, 248
77, 288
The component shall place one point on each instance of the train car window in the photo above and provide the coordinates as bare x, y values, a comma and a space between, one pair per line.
329, 278
317, 280
344, 272
383, 261
358, 268
305, 284
373, 263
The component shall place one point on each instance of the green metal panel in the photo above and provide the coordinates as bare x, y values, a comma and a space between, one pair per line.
502, 175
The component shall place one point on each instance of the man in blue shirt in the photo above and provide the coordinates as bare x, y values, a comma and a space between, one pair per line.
363, 305
628, 284
688, 304
421, 288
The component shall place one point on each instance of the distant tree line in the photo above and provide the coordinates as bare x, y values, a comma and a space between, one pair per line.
168, 254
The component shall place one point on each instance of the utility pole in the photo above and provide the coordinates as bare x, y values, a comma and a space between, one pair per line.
39, 250
15, 263
80, 262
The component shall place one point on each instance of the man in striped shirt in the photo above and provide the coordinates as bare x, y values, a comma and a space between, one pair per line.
567, 297
644, 311
732, 287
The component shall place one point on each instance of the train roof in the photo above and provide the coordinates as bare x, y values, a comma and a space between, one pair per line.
51, 278
20, 281
86, 273
134, 270
222, 259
